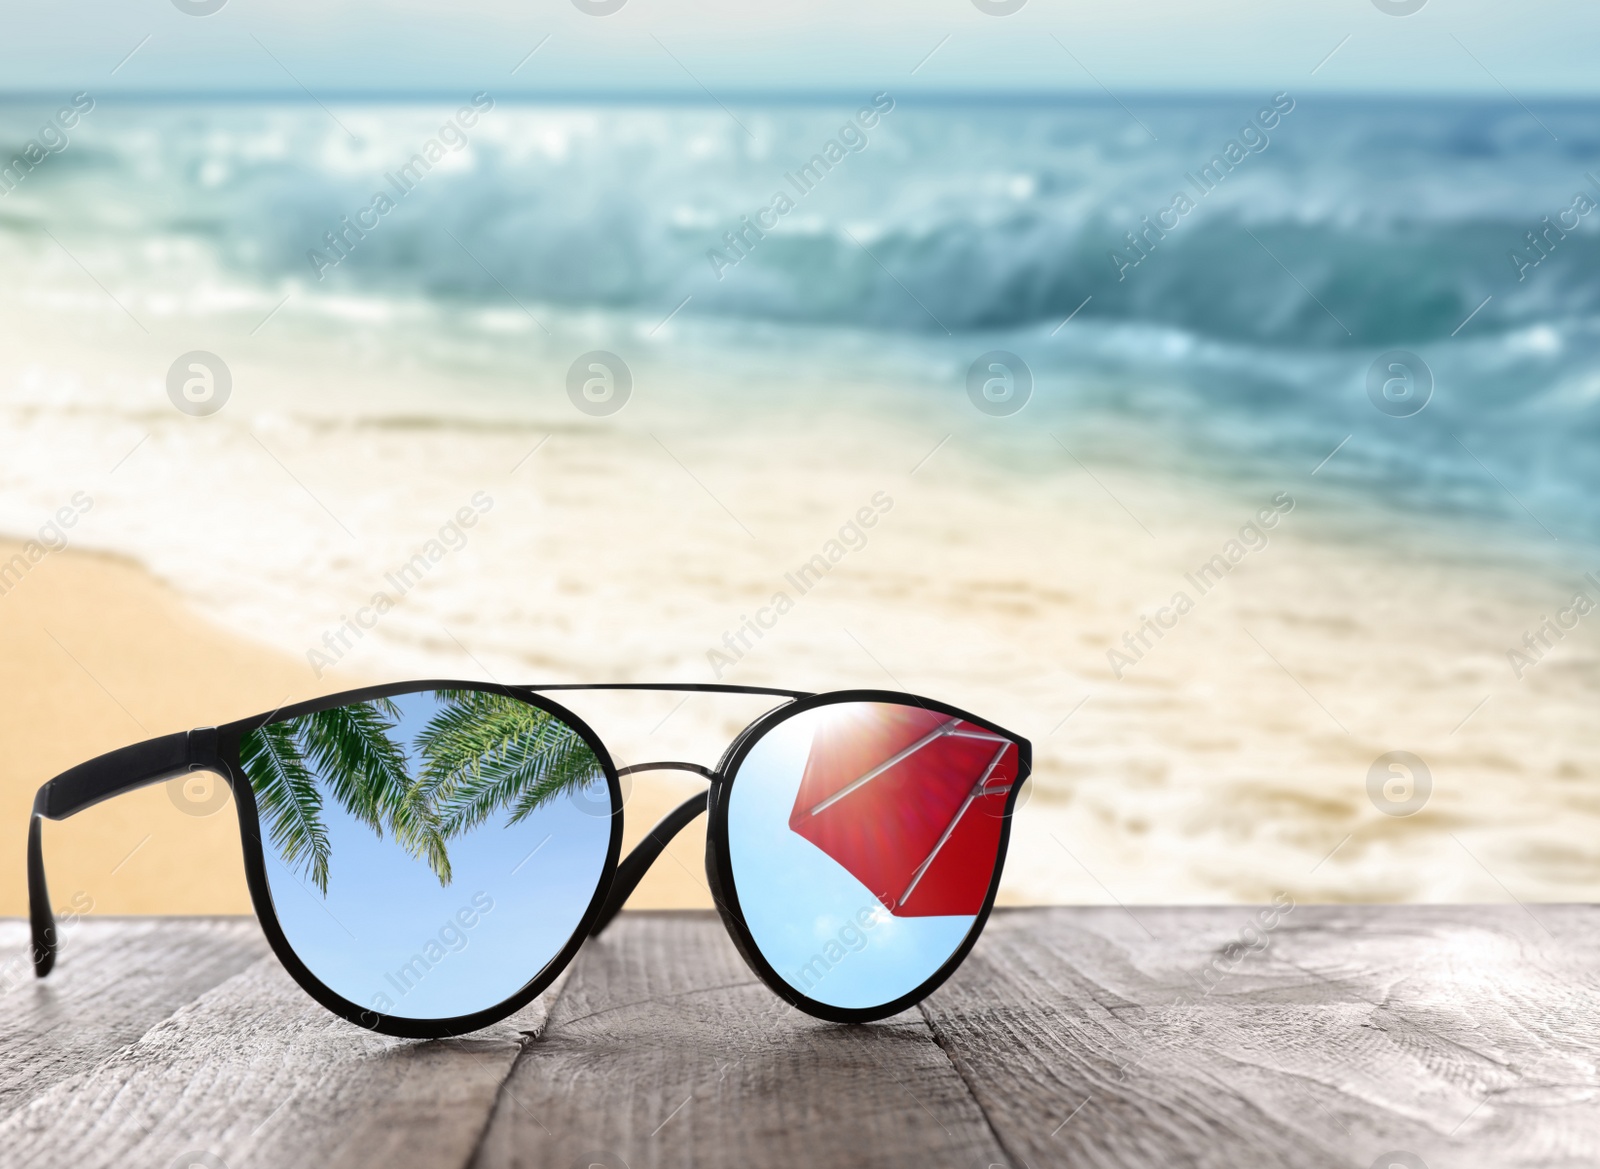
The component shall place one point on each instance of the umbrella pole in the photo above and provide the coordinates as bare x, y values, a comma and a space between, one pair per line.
977, 790
948, 728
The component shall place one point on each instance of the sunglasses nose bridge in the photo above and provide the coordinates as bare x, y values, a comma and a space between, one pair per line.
634, 866
668, 765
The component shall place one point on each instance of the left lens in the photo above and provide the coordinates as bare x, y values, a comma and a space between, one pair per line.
429, 853
863, 842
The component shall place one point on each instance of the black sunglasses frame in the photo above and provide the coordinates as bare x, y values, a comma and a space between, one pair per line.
217, 749
719, 860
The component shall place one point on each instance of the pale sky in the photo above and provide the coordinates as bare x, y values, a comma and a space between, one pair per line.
1493, 48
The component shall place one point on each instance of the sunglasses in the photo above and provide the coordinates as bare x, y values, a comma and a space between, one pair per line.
427, 857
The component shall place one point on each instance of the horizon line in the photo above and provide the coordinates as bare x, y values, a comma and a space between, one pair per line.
785, 96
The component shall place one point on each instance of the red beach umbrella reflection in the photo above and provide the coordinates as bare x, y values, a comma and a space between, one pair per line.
909, 801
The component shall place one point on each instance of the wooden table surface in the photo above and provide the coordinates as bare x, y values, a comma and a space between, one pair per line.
1441, 1036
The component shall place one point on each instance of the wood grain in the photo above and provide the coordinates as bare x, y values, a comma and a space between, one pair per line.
115, 979
1465, 1035
254, 1073
664, 1049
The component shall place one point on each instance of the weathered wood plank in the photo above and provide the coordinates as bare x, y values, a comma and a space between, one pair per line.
1465, 1035
116, 978
256, 1073
664, 1049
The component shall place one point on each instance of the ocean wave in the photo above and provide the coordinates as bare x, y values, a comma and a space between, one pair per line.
1352, 226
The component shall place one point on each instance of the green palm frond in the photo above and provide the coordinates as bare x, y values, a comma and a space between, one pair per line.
286, 793
485, 752
480, 754
353, 749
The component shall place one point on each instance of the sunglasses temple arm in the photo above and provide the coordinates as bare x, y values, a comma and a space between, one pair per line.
85, 785
634, 866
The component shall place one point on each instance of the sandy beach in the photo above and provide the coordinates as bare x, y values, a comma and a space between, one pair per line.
1229, 761
1213, 584
102, 655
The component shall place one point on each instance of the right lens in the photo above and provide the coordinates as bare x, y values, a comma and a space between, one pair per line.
428, 853
863, 839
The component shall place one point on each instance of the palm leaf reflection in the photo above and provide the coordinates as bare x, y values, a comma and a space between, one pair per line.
478, 755
485, 752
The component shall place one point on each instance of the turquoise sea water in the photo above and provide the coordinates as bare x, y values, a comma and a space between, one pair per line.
1253, 344
1243, 336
